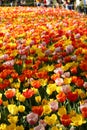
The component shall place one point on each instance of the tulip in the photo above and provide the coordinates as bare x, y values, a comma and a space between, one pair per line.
39, 127
85, 85
58, 70
65, 119
42, 122
54, 105
32, 118
59, 81
69, 49
66, 88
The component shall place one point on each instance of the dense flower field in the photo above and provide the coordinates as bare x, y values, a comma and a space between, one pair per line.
43, 69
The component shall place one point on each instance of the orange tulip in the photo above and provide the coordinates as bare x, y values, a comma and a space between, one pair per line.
10, 93
61, 97
37, 109
14, 75
36, 84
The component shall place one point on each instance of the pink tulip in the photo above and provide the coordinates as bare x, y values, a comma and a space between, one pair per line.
66, 88
58, 49
77, 36
59, 81
66, 75
23, 57
59, 61
72, 128
42, 122
74, 58
69, 49
9, 63
58, 70
85, 85
54, 105
32, 118
47, 52
39, 127
83, 106
4, 57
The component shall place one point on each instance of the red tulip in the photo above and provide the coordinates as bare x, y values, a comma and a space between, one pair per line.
28, 93
73, 70
65, 119
1, 102
84, 112
79, 82
72, 96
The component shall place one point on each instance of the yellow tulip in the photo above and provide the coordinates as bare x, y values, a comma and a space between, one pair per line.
17, 85
81, 93
43, 82
38, 99
3, 126
21, 108
11, 80
46, 109
62, 111
77, 120
51, 120
56, 128
20, 97
72, 113
58, 89
1, 80
68, 65
13, 119
20, 127
15, 52
51, 88
67, 80
50, 68
13, 109
0, 95
5, 103
44, 102
11, 127
39, 52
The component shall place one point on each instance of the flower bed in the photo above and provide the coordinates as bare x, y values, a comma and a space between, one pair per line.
43, 69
